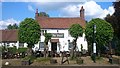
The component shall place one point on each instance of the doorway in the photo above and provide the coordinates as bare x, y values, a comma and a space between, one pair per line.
54, 46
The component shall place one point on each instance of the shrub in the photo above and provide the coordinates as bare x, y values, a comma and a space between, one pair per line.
31, 58
20, 50
12, 50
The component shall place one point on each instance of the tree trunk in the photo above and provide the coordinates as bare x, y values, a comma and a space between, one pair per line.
72, 53
75, 54
74, 49
29, 51
46, 51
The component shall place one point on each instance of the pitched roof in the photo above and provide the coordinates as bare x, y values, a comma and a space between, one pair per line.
8, 35
47, 22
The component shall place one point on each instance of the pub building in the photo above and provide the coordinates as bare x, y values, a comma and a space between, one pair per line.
58, 26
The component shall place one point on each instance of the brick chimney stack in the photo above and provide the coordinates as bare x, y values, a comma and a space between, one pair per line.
82, 12
36, 14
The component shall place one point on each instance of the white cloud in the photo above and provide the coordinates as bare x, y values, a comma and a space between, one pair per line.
5, 23
111, 10
92, 10
30, 8
51, 6
71, 9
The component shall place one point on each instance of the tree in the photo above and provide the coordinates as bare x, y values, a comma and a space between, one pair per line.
47, 38
114, 20
104, 33
43, 14
75, 31
29, 32
14, 26
9, 26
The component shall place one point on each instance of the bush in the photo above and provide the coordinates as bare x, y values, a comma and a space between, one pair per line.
31, 58
20, 50
12, 50
3, 49
28, 60
93, 57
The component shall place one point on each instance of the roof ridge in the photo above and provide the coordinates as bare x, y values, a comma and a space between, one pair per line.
60, 17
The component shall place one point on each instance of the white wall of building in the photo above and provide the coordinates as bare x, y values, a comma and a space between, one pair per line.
63, 42
12, 44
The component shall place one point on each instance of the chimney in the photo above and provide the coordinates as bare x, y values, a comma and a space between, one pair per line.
36, 14
82, 13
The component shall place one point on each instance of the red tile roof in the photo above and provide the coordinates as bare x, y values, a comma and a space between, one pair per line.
8, 35
47, 22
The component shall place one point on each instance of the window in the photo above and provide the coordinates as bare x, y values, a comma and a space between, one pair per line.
70, 44
42, 45
21, 45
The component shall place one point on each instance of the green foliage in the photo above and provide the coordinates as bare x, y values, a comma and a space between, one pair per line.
104, 32
31, 58
114, 20
3, 48
117, 49
29, 32
43, 14
20, 50
47, 37
117, 9
12, 50
76, 30
14, 26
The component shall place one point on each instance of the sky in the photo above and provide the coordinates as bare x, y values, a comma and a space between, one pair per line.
15, 12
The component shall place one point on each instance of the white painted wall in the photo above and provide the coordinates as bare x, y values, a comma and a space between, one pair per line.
82, 41
12, 44
63, 41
